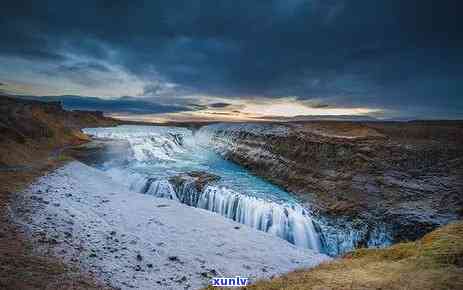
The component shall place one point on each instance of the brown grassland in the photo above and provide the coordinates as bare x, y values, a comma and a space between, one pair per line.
32, 136
434, 262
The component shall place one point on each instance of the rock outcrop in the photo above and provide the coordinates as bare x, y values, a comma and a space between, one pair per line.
199, 179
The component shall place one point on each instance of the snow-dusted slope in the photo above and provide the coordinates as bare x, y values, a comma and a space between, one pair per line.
139, 241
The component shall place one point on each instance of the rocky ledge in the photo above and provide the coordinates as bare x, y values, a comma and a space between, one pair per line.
377, 182
199, 178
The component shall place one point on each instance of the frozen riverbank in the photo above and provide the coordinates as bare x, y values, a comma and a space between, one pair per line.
131, 240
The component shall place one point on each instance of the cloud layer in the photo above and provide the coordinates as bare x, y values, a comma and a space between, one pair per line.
401, 56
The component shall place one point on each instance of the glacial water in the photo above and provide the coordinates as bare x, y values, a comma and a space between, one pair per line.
150, 155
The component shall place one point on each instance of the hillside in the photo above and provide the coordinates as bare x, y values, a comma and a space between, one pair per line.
33, 135
30, 128
431, 263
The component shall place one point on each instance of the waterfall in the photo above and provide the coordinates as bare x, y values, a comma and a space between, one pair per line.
341, 234
188, 194
289, 222
147, 143
160, 188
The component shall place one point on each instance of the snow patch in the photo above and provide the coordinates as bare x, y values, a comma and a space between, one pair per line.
133, 240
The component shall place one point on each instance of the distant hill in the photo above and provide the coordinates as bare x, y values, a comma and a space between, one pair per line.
303, 118
31, 127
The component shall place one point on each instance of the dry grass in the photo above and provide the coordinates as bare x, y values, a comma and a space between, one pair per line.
30, 138
341, 129
20, 266
433, 263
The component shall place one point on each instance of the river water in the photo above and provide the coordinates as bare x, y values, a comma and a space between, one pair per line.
150, 155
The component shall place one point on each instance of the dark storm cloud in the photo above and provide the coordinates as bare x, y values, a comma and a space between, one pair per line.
83, 67
81, 73
318, 106
396, 54
118, 105
219, 105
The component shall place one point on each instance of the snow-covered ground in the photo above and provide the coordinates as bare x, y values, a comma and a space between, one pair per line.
132, 240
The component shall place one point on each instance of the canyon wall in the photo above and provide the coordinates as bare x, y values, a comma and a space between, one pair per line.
369, 184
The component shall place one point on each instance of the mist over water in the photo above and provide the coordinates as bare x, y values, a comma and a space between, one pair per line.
151, 155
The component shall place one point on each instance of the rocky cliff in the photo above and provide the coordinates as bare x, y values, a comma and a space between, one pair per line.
369, 183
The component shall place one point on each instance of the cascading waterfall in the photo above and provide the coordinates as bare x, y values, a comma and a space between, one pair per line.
154, 155
291, 223
159, 188
341, 235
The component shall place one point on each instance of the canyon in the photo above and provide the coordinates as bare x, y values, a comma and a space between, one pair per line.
356, 191
375, 181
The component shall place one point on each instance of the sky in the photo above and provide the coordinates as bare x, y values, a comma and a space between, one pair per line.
240, 59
